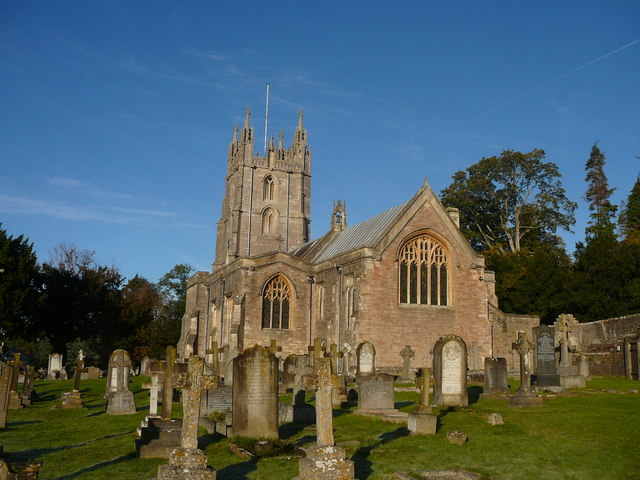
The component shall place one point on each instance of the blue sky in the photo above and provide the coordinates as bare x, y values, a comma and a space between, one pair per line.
116, 116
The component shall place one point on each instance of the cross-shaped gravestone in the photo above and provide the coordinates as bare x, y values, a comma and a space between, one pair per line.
79, 369
169, 367
274, 348
192, 383
154, 389
474, 352
322, 382
299, 369
16, 364
214, 353
347, 352
334, 355
316, 351
424, 382
407, 355
524, 347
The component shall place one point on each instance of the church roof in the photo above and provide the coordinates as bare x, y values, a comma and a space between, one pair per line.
364, 234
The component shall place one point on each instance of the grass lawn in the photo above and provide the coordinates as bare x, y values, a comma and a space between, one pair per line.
583, 434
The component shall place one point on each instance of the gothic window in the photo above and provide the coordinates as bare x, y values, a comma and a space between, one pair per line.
268, 222
423, 272
268, 188
276, 303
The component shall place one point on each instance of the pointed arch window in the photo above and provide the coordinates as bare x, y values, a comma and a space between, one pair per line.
423, 276
268, 187
276, 303
268, 222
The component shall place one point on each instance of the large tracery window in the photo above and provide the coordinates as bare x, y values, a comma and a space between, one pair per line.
423, 272
276, 303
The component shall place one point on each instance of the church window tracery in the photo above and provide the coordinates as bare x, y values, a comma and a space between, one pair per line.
423, 272
276, 303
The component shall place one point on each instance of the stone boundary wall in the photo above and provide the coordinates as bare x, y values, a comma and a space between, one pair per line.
608, 331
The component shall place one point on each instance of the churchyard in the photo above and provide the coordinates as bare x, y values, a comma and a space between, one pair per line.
589, 433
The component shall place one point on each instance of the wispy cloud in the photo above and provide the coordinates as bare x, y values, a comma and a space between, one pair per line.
87, 187
215, 56
16, 205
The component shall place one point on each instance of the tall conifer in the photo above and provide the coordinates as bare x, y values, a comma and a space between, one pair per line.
598, 195
630, 216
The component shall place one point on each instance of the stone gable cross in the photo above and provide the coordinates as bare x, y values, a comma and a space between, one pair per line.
323, 382
192, 384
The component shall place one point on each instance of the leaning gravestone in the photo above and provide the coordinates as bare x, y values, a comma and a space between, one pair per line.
119, 398
545, 372
366, 357
450, 371
495, 375
255, 394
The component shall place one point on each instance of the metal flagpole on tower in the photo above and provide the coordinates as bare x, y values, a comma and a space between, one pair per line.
266, 122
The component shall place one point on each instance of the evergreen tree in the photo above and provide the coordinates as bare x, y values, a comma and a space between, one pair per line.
630, 216
18, 285
598, 194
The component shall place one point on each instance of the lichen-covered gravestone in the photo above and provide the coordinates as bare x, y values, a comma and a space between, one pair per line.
422, 421
255, 394
119, 398
450, 371
324, 460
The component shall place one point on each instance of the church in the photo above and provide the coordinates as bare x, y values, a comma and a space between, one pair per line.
404, 277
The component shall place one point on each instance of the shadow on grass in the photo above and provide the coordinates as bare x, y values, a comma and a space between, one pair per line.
305, 439
288, 430
94, 414
361, 457
473, 393
209, 439
123, 458
237, 471
399, 405
25, 422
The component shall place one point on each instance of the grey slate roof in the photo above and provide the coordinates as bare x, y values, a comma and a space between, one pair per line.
364, 234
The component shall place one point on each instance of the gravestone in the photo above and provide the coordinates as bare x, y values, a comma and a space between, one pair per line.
525, 396
366, 358
407, 355
546, 374
255, 394
347, 364
55, 366
375, 392
318, 350
144, 366
154, 388
15, 401
73, 399
28, 390
422, 421
495, 375
188, 462
299, 411
167, 368
324, 460
91, 373
450, 371
583, 366
475, 352
119, 398
287, 376
6, 373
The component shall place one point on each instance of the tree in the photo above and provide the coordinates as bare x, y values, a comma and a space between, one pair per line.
598, 194
510, 198
140, 307
80, 300
18, 285
630, 215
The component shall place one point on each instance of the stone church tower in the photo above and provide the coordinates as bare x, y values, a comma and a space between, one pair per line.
267, 201
406, 276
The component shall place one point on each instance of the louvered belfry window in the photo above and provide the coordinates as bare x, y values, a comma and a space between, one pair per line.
276, 303
423, 272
